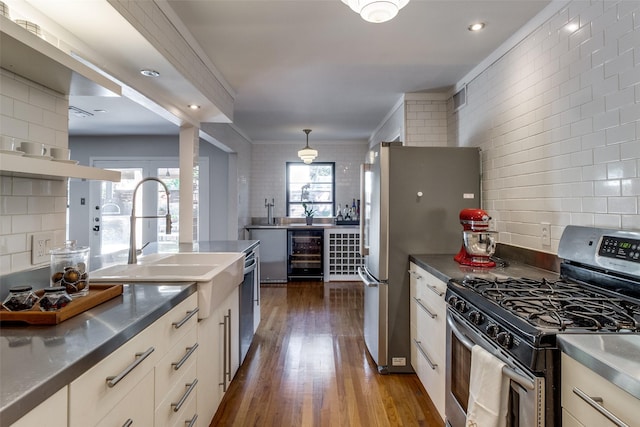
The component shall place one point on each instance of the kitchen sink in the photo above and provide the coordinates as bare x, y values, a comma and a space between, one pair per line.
154, 272
216, 273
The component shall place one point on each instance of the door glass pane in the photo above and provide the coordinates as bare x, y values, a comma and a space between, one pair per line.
171, 178
115, 206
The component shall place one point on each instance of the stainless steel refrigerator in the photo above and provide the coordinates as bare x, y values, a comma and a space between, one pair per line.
411, 198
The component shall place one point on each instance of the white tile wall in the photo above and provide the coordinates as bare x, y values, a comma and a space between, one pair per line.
558, 122
268, 172
33, 113
426, 123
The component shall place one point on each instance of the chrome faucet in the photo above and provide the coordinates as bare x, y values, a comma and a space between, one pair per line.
133, 259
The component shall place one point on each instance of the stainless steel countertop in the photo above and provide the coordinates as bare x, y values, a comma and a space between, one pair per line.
297, 226
614, 357
36, 361
444, 267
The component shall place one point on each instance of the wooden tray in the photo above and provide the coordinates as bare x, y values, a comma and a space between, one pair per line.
98, 293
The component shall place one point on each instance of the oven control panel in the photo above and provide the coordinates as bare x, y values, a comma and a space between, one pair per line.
620, 248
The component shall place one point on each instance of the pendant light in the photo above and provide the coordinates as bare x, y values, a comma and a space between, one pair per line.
376, 11
307, 154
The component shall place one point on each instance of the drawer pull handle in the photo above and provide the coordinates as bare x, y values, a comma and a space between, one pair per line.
424, 354
177, 365
435, 290
186, 318
424, 307
112, 381
192, 421
128, 423
596, 403
190, 387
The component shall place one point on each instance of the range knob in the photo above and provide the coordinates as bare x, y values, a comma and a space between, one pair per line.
476, 317
505, 339
493, 330
452, 300
461, 306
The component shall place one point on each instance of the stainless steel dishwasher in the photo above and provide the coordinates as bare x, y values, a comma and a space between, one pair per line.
247, 296
273, 253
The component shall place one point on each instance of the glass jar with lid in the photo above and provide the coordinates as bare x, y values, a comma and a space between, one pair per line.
20, 298
54, 298
70, 268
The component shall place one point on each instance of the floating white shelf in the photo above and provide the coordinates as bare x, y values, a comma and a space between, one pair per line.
12, 165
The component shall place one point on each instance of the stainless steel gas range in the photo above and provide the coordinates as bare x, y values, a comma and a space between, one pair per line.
518, 319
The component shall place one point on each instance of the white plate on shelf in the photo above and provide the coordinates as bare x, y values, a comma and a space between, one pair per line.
12, 152
35, 156
71, 162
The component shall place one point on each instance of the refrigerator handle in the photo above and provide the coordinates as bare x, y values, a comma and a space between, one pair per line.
364, 276
364, 168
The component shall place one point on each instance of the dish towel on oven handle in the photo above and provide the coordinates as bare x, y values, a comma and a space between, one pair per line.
488, 391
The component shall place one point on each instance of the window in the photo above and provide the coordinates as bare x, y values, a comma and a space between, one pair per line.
311, 184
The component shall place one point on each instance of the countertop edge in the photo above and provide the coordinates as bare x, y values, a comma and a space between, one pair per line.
581, 348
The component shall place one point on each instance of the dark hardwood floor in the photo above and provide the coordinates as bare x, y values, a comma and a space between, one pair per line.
308, 366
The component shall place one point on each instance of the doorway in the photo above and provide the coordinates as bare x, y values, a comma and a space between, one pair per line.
113, 201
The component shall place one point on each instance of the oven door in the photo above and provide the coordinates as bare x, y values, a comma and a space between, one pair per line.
526, 392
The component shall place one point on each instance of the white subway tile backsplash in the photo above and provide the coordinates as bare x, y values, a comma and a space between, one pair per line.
623, 133
607, 188
622, 205
631, 187
13, 205
622, 169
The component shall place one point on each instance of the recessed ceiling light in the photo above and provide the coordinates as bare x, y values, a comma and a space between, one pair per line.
476, 27
194, 106
149, 73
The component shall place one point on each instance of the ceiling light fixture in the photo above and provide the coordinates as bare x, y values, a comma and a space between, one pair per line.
194, 106
307, 154
476, 27
376, 11
149, 73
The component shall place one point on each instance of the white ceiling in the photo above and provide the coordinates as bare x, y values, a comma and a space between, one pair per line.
311, 63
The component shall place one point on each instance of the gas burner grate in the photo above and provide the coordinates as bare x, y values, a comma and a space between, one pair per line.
559, 304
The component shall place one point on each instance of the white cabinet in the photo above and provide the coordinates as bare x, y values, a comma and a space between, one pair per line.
105, 392
219, 355
590, 400
52, 412
428, 332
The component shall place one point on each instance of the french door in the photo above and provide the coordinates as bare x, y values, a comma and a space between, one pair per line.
112, 203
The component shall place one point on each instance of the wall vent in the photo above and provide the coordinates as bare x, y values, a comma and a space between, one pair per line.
460, 98
78, 112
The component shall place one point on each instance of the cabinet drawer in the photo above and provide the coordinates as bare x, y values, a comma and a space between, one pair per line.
578, 380
431, 377
176, 323
189, 417
175, 362
175, 405
91, 397
137, 406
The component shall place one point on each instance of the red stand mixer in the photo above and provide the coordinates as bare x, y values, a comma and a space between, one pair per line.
478, 243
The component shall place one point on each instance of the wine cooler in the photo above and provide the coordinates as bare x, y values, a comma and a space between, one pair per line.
305, 254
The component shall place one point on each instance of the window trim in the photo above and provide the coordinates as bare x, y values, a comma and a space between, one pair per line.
333, 185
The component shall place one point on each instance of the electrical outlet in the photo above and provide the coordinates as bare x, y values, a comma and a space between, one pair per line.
545, 233
40, 247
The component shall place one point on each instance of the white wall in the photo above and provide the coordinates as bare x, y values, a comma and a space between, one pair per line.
268, 171
558, 122
33, 113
